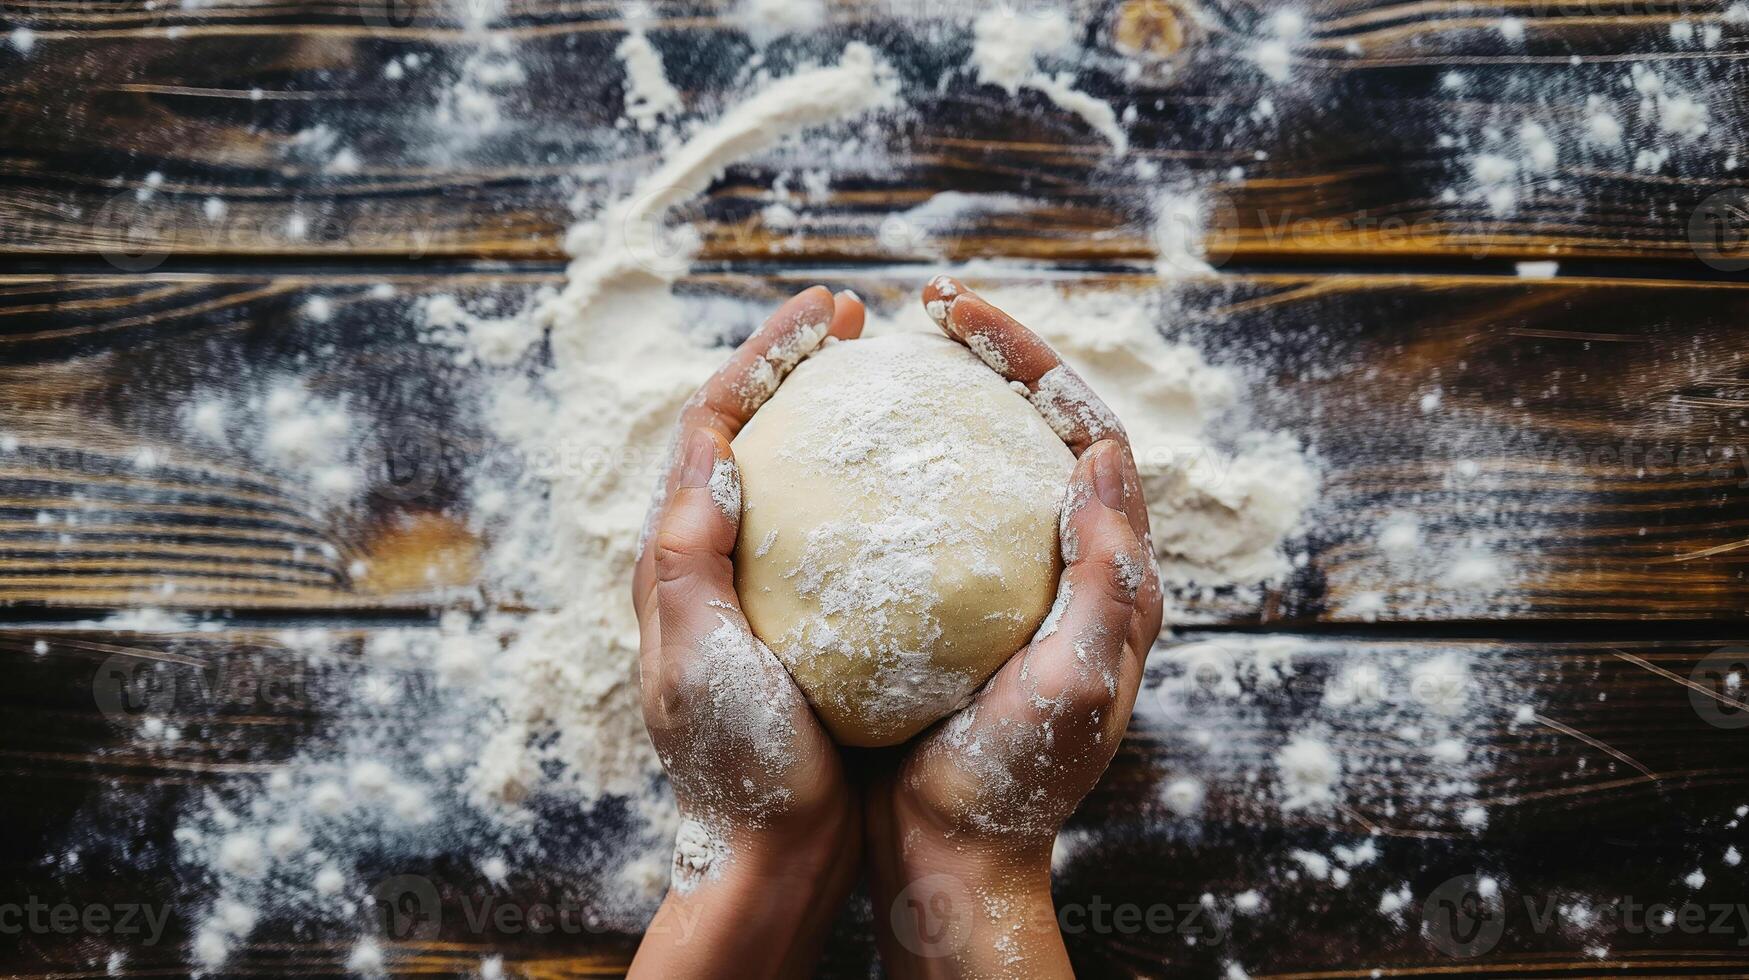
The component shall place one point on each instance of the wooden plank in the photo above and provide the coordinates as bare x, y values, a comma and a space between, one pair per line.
83, 778
1493, 416
248, 105
1625, 733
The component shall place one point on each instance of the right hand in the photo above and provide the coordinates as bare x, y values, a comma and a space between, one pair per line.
979, 798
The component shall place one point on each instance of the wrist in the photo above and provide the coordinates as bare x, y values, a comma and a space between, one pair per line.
957, 904
806, 857
760, 897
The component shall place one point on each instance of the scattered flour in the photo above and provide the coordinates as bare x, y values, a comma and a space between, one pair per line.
784, 15
1308, 772
1220, 511
544, 707
1006, 47
1180, 225
1273, 58
649, 95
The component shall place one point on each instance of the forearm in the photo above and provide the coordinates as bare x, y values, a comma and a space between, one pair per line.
764, 911
961, 910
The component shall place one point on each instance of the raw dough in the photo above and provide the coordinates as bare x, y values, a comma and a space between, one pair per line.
899, 530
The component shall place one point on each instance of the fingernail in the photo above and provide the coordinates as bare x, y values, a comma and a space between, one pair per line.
698, 458
1108, 477
850, 295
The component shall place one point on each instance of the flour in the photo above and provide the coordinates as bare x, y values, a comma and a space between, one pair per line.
1006, 47
493, 341
1663, 115
1307, 772
1273, 58
1184, 796
784, 15
309, 436
695, 856
22, 39
366, 958
463, 737
649, 95
1220, 512
1180, 223
626, 240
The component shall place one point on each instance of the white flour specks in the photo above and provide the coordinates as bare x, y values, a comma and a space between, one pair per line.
725, 488
1308, 773
649, 95
627, 239
1006, 47
695, 856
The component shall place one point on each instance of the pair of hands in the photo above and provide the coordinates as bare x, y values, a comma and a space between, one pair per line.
956, 828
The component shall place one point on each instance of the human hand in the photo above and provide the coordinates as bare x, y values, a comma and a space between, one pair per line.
961, 829
770, 832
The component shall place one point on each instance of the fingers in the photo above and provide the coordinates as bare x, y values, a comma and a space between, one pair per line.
1082, 664
1047, 724
730, 396
1074, 412
1084, 649
753, 372
848, 316
1077, 415
694, 541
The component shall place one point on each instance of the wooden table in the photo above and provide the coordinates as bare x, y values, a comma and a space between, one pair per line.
1600, 417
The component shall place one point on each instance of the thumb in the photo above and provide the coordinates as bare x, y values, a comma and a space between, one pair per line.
695, 541
1080, 662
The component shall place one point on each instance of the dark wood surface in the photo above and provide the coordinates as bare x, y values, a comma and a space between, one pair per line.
1354, 167
1592, 799
1591, 429
1603, 491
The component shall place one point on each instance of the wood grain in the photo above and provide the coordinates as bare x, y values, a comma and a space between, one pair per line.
85, 776
1564, 450
1365, 151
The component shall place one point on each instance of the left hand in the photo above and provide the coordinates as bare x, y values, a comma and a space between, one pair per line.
770, 838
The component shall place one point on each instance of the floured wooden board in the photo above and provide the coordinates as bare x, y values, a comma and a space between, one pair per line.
114, 736
1482, 452
1381, 129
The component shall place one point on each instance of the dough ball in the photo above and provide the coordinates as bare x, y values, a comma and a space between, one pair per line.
899, 530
